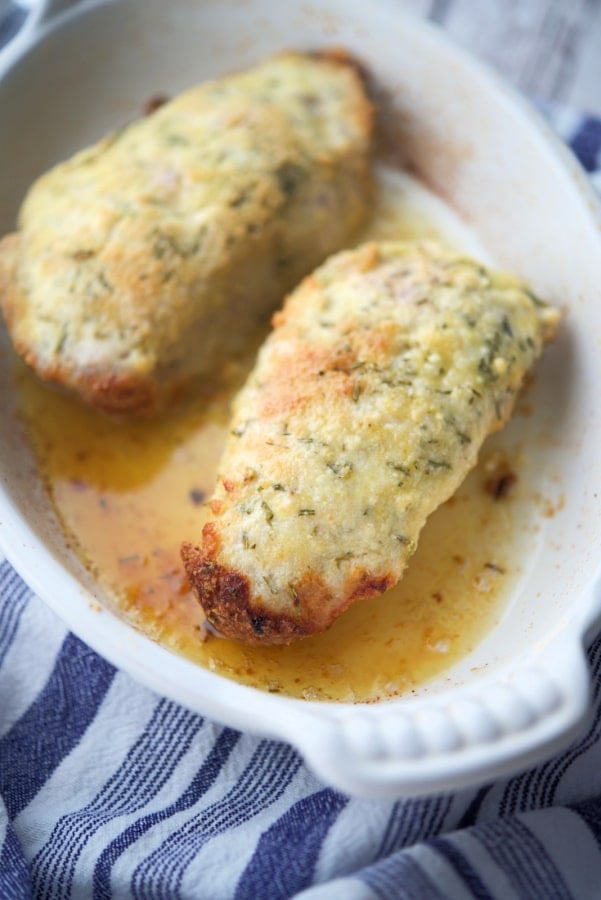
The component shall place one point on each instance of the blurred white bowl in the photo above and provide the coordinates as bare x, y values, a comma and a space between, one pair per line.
524, 691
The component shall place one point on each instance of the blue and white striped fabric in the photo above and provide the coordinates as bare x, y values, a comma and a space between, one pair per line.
107, 790
111, 791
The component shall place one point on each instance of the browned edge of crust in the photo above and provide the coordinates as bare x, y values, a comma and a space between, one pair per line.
340, 56
114, 392
119, 393
224, 594
226, 597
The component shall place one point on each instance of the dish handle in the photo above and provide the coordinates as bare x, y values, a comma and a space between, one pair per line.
505, 725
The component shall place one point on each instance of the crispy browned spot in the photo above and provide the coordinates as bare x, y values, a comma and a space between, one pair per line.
116, 393
362, 585
499, 487
119, 392
313, 598
295, 381
235, 612
225, 597
211, 540
154, 103
300, 377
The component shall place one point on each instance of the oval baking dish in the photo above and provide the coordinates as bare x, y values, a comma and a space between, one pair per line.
523, 692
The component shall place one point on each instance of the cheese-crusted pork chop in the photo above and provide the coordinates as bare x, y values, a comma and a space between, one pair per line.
369, 401
147, 259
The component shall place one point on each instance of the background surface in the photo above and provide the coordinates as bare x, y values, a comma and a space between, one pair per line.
550, 49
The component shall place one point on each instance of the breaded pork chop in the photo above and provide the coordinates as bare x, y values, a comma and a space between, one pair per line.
369, 401
147, 259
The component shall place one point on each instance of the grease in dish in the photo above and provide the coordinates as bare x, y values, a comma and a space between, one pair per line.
126, 493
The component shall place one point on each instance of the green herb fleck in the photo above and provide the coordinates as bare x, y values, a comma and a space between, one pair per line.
398, 467
345, 556
436, 464
239, 199
268, 511
294, 594
289, 176
177, 140
62, 340
341, 469
270, 584
536, 300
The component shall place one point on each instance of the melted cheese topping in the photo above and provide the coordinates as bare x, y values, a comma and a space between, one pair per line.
369, 402
134, 257
127, 493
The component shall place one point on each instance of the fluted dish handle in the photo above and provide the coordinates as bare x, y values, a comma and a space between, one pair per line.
429, 746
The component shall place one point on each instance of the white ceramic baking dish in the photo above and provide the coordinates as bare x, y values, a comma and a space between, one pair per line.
523, 693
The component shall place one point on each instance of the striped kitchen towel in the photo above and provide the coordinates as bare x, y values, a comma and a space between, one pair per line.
107, 790
110, 791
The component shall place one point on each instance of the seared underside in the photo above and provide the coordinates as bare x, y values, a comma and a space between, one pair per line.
231, 609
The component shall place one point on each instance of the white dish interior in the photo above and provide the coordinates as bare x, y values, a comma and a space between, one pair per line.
524, 690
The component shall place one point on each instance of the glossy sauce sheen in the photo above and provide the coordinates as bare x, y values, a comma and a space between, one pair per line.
129, 493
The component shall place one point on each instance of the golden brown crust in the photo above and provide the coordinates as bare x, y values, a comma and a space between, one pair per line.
202, 214
369, 401
229, 607
116, 393
234, 613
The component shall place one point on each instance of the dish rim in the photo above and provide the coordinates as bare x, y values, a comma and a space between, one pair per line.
374, 750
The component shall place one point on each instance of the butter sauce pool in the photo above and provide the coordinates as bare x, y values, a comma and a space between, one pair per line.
128, 493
